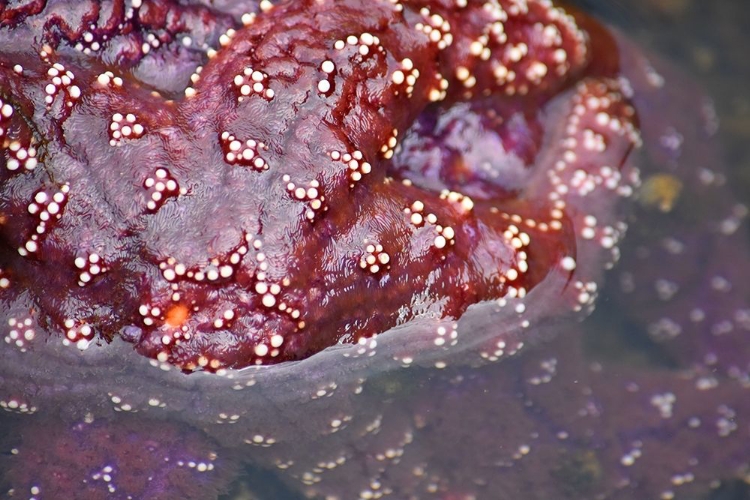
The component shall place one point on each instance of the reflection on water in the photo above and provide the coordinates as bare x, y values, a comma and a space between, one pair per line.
702, 38
705, 39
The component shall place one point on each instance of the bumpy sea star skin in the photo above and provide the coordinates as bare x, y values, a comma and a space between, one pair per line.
254, 220
388, 416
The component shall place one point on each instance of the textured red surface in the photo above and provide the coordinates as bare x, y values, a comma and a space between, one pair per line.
434, 408
258, 217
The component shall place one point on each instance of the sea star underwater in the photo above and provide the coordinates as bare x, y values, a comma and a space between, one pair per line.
343, 190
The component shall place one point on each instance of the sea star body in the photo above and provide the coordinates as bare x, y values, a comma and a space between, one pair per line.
380, 199
255, 219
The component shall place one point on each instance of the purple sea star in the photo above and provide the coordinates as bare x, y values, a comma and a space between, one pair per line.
257, 219
382, 200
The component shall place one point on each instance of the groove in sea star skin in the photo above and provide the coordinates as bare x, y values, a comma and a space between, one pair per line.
257, 219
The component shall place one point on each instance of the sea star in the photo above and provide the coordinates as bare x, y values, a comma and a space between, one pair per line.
258, 218
433, 183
